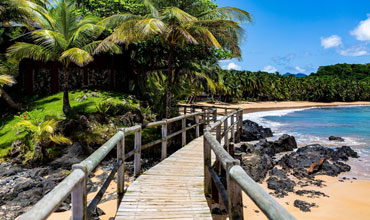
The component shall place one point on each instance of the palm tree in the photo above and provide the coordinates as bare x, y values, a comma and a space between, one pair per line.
7, 80
216, 28
65, 37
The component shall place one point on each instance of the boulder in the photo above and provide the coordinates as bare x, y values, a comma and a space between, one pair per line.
256, 165
285, 143
74, 154
252, 131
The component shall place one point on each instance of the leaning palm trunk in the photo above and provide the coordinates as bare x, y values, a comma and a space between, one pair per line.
66, 105
8, 99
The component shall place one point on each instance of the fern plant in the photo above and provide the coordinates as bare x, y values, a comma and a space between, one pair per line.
40, 133
103, 107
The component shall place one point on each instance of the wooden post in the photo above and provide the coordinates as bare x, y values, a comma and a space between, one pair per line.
218, 134
164, 140
240, 125
203, 116
121, 170
232, 128
225, 111
214, 115
208, 114
234, 193
185, 109
79, 197
192, 109
207, 174
226, 137
183, 142
197, 127
137, 160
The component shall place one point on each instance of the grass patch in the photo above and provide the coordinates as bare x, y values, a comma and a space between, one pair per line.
52, 107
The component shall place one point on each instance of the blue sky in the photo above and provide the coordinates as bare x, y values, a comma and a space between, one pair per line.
299, 36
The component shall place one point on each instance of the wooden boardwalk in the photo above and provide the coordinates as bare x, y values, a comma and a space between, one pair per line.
173, 189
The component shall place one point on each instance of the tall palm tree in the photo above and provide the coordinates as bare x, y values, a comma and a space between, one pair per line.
218, 28
65, 37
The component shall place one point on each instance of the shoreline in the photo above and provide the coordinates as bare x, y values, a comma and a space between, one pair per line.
251, 107
348, 199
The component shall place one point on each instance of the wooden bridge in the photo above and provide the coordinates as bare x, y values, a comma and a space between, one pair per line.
183, 186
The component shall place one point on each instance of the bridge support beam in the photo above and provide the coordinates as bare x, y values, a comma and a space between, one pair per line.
121, 170
79, 196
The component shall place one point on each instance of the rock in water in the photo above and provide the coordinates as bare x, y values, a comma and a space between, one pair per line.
285, 143
333, 138
253, 131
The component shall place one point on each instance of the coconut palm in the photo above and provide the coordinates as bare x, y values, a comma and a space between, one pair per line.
65, 37
216, 28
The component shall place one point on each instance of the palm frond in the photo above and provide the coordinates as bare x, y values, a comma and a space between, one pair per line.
60, 139
183, 33
6, 80
77, 56
230, 13
149, 27
152, 8
116, 20
50, 40
26, 124
85, 34
48, 126
179, 15
21, 50
104, 46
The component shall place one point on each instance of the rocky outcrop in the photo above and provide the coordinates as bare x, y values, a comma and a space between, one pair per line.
280, 183
253, 132
283, 144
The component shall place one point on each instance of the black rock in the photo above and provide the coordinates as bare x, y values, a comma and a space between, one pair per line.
311, 193
285, 143
343, 153
280, 185
256, 165
303, 206
333, 138
253, 131
74, 154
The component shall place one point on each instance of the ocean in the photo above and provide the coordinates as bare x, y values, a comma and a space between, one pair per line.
315, 125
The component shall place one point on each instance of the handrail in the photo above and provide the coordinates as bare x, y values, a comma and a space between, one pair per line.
75, 183
237, 180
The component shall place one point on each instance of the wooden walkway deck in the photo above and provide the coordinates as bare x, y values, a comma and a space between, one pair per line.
173, 189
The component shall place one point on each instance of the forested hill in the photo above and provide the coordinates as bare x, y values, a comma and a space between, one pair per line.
345, 71
340, 82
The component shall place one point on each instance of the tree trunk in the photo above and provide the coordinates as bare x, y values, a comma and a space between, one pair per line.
8, 99
66, 105
169, 81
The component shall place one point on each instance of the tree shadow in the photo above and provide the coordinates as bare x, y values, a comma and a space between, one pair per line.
38, 103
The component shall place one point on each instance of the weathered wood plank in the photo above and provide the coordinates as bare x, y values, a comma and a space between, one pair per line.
173, 189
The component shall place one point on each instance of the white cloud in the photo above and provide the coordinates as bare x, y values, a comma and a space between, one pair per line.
269, 69
362, 31
299, 69
354, 52
233, 66
331, 42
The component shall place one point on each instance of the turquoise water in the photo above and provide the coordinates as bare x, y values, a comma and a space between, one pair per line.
315, 125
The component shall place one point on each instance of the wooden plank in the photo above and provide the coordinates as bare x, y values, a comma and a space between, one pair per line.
173, 189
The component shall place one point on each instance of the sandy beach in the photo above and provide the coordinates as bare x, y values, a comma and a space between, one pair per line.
349, 199
249, 107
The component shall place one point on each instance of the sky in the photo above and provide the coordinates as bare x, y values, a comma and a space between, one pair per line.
299, 36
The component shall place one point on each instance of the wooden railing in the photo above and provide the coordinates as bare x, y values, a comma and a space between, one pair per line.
75, 183
229, 195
